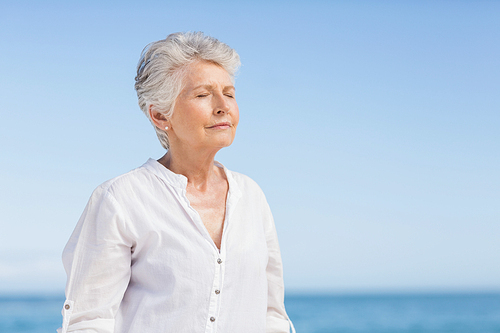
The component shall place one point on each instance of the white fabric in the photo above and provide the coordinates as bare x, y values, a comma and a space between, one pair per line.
141, 260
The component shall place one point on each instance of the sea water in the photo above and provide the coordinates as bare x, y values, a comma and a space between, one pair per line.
460, 313
33, 314
315, 313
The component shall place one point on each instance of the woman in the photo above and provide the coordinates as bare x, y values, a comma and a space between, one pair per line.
180, 244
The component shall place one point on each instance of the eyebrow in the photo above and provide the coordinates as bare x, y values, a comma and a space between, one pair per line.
211, 86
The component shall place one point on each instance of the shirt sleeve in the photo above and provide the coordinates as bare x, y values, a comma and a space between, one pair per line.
97, 260
277, 320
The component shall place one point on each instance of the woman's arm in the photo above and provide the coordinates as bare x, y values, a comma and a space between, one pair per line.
277, 318
97, 260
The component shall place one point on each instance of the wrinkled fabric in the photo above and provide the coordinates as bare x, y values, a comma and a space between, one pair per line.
141, 260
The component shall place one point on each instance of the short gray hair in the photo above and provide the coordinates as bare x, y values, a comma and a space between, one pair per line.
160, 70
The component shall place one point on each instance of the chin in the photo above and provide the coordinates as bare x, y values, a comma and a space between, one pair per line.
223, 142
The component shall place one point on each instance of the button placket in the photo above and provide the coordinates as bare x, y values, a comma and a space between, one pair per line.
66, 312
214, 298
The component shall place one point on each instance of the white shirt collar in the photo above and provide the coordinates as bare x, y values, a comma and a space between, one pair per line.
167, 175
180, 181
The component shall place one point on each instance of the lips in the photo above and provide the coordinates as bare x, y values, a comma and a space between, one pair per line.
221, 125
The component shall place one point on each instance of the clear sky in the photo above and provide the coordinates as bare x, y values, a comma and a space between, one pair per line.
372, 127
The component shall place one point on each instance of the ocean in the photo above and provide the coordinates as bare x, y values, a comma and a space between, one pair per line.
314, 313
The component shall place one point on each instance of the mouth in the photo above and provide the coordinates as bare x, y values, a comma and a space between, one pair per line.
222, 125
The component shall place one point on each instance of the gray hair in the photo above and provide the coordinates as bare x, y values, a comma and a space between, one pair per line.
160, 70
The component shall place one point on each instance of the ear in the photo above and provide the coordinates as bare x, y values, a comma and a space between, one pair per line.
158, 118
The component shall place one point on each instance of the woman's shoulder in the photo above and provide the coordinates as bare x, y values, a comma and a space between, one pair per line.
242, 178
127, 183
245, 183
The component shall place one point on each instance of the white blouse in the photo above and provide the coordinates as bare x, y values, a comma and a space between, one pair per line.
141, 260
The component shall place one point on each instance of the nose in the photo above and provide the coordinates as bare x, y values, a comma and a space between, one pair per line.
221, 105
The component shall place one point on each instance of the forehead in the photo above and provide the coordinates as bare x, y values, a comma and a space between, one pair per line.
203, 73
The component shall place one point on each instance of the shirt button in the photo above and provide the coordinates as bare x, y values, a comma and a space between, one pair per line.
66, 306
219, 261
212, 319
217, 292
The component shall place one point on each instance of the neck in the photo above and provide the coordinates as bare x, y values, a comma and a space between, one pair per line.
197, 166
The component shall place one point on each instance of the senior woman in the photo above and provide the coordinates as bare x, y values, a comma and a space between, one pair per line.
180, 244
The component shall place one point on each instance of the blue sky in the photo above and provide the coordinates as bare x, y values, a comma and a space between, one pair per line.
371, 126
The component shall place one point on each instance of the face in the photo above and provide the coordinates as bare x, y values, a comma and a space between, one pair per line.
205, 114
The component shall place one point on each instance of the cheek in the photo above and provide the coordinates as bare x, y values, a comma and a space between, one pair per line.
190, 117
236, 114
